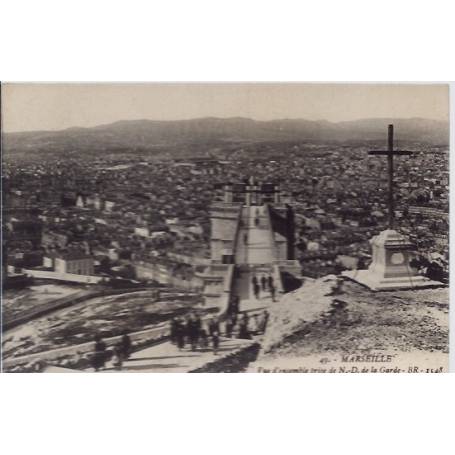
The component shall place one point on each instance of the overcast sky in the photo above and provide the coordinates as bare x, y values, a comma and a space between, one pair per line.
27, 107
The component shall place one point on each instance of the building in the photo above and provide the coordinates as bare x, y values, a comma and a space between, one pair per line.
74, 262
252, 234
251, 209
21, 230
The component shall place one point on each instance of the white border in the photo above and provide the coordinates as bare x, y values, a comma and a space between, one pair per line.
322, 40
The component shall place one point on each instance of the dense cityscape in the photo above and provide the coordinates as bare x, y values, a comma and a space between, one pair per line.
125, 212
137, 245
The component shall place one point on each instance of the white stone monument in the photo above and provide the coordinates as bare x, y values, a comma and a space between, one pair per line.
392, 251
390, 267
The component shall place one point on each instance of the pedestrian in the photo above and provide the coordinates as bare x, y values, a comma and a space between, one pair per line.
180, 334
203, 338
174, 327
272, 293
230, 305
244, 333
214, 330
187, 328
254, 280
264, 320
99, 357
234, 317
264, 283
125, 346
236, 330
255, 324
256, 290
236, 304
117, 358
270, 281
191, 331
197, 328
229, 327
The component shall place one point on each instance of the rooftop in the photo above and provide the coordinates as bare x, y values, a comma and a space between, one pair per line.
69, 255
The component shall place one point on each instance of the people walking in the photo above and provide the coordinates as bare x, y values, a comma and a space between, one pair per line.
264, 321
270, 282
203, 338
125, 346
244, 332
187, 329
197, 328
229, 326
180, 333
235, 305
255, 324
117, 357
214, 330
191, 331
99, 357
272, 292
264, 283
174, 329
234, 317
257, 291
236, 329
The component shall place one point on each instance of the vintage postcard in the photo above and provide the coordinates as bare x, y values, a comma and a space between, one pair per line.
213, 227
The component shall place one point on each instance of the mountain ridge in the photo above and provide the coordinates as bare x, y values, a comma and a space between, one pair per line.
145, 132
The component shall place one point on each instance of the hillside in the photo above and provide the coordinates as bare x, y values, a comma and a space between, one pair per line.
310, 325
149, 133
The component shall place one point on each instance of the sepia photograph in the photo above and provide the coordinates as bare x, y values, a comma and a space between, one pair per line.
225, 227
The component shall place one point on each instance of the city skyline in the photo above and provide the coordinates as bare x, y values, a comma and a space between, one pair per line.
53, 107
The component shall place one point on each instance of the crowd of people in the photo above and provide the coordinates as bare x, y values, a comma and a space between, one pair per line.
190, 331
245, 327
118, 353
263, 284
196, 333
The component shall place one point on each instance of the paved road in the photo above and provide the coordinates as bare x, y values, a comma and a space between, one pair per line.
243, 287
254, 254
254, 245
167, 358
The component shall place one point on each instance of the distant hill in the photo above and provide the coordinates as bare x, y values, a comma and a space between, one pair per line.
148, 133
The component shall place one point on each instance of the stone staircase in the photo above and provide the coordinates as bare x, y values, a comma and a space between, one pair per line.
243, 286
254, 243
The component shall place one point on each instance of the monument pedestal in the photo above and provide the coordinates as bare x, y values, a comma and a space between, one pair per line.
390, 267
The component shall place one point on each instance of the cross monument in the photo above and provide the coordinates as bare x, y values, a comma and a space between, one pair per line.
391, 251
390, 152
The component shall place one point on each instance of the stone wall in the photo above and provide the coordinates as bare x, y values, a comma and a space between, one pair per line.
163, 275
59, 276
224, 225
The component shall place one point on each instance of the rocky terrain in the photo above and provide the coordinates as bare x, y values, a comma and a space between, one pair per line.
14, 301
311, 324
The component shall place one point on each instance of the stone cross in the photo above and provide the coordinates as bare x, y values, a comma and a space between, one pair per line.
390, 152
